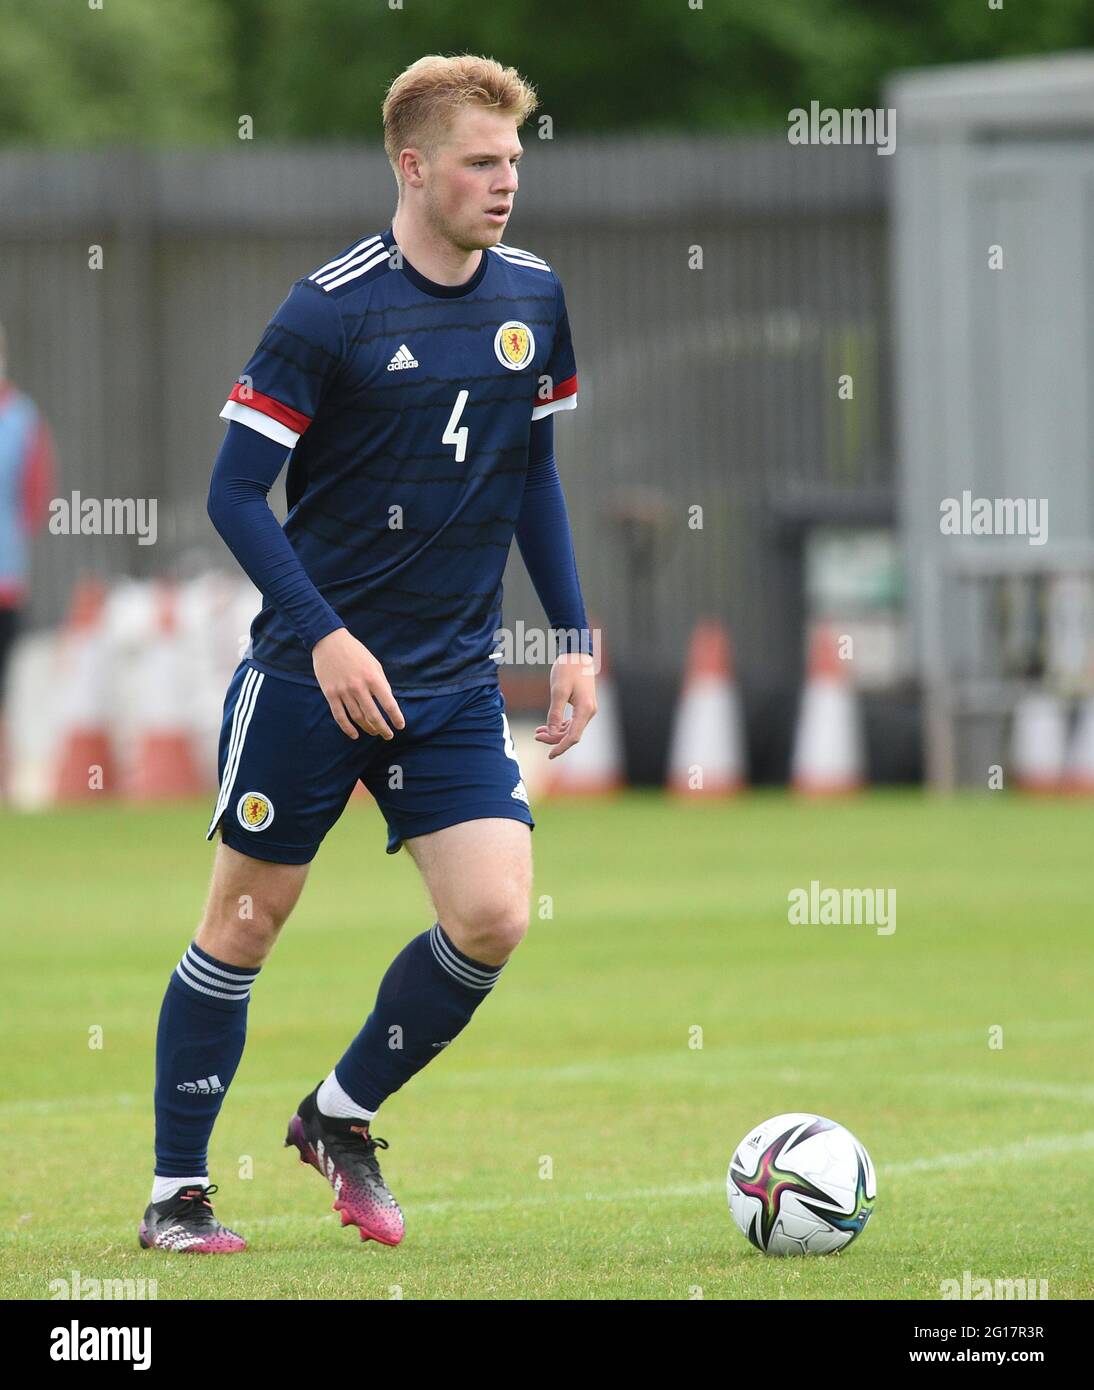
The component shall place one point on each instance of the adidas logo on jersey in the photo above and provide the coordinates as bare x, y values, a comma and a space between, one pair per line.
402, 360
207, 1086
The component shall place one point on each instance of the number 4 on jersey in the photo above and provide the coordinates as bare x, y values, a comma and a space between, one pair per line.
452, 435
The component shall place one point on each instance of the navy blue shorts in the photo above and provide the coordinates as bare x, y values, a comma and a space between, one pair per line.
287, 769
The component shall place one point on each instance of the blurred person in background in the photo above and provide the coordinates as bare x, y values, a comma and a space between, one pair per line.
26, 484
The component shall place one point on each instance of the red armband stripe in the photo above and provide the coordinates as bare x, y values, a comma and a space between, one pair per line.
294, 420
561, 391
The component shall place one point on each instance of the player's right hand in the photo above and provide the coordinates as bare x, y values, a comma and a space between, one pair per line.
355, 685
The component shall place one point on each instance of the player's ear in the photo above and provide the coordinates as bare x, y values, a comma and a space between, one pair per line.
410, 166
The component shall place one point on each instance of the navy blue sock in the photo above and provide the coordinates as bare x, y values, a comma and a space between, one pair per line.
428, 995
202, 1029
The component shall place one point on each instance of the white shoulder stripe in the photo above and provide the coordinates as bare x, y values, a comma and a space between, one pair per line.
324, 277
371, 264
321, 277
341, 260
521, 260
515, 256
516, 251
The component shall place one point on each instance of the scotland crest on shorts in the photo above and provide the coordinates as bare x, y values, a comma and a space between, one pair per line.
514, 345
254, 811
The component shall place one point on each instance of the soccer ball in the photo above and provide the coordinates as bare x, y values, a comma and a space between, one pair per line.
800, 1185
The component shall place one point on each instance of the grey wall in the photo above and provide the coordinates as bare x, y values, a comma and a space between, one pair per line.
713, 387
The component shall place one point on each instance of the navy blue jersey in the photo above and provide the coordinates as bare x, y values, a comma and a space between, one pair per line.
408, 408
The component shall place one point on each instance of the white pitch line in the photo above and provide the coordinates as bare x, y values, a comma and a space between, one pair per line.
980, 1085
128, 1100
637, 1066
1043, 1146
1012, 1086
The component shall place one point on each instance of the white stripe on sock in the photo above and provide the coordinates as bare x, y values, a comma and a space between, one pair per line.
475, 977
204, 989
229, 976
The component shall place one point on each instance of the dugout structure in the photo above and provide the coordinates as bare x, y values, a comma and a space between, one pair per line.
992, 234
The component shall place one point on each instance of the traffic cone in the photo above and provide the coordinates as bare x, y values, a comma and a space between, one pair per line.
85, 766
1038, 744
828, 758
594, 766
707, 746
163, 764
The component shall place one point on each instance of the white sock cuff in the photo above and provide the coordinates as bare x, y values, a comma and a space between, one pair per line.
162, 1188
336, 1104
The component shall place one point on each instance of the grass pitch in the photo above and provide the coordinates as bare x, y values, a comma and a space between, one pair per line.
582, 1063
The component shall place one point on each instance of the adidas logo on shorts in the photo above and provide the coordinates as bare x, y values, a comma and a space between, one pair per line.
402, 360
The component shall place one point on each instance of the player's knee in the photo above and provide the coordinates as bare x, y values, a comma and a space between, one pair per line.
493, 928
240, 934
239, 940
248, 905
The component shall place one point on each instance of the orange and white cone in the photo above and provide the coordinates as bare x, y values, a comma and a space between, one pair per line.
1038, 742
594, 766
163, 764
85, 766
828, 757
707, 745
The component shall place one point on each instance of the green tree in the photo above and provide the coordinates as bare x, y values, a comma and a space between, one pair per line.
183, 71
132, 72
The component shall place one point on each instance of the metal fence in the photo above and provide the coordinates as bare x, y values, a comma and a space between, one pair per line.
717, 289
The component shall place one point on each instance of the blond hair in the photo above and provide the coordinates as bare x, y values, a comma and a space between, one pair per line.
421, 101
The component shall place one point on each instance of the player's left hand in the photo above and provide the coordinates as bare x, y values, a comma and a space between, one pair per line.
573, 683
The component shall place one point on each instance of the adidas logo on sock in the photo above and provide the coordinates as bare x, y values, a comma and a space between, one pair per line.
207, 1086
402, 360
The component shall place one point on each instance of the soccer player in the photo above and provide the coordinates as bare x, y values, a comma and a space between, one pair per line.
27, 475
414, 377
